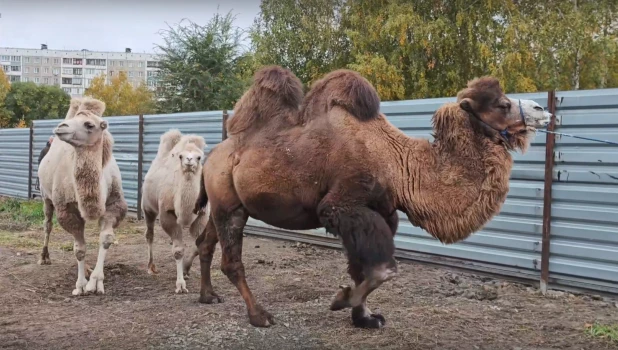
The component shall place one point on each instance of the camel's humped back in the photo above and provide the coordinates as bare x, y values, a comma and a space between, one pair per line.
85, 104
198, 141
168, 141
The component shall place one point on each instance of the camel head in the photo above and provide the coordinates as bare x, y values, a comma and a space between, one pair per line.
513, 121
83, 130
190, 158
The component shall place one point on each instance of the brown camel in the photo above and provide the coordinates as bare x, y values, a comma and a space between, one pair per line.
333, 161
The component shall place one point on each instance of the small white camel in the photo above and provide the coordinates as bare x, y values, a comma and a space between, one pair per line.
170, 190
80, 179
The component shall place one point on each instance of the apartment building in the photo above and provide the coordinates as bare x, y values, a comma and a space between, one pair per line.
74, 70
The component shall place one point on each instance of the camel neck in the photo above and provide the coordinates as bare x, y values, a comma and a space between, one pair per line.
88, 166
452, 186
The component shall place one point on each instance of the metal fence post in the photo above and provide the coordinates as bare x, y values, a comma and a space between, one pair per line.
30, 154
547, 196
140, 165
224, 127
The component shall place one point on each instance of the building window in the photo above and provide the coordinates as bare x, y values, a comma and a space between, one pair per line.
56, 71
56, 81
27, 59
6, 68
140, 64
76, 91
67, 60
37, 60
77, 81
56, 61
26, 70
46, 70
88, 82
131, 74
111, 63
77, 71
95, 62
121, 64
67, 80
15, 78
46, 60
46, 81
90, 71
25, 79
15, 58
77, 61
6, 58
111, 73
67, 90
15, 68
140, 74
152, 83
37, 80
67, 70
37, 70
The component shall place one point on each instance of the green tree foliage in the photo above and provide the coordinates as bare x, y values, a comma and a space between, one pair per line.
120, 96
27, 101
199, 69
431, 48
305, 36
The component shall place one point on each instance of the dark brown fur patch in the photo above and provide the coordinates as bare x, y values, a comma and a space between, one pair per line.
274, 97
484, 91
343, 88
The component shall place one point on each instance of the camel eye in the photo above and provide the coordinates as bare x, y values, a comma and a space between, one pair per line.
199, 158
538, 108
89, 125
180, 156
506, 106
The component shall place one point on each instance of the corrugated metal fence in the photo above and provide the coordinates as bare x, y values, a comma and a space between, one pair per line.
583, 225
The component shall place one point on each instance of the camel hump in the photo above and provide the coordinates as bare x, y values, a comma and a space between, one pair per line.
274, 98
346, 89
92, 105
73, 107
168, 141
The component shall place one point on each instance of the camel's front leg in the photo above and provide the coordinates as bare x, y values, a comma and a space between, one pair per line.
70, 220
49, 215
114, 213
174, 230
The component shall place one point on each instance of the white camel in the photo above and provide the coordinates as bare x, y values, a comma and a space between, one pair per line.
170, 190
80, 179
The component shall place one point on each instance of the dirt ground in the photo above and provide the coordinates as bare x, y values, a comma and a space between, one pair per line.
425, 307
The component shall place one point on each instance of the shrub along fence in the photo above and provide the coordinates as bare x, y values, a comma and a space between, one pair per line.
559, 224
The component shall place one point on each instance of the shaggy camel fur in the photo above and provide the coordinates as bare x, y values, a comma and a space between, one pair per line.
41, 155
333, 161
80, 179
170, 191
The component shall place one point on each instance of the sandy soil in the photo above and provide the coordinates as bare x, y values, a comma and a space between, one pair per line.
425, 307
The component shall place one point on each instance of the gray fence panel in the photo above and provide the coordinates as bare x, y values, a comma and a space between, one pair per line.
14, 150
584, 228
510, 243
206, 124
125, 131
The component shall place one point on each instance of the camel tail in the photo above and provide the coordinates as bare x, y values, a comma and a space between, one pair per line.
168, 141
202, 198
346, 89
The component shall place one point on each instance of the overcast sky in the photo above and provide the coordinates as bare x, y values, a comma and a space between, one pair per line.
106, 25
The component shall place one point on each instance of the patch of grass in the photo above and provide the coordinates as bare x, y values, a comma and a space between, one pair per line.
22, 213
607, 332
15, 240
67, 247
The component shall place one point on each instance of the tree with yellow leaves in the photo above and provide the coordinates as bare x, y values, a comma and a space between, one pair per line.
5, 86
120, 96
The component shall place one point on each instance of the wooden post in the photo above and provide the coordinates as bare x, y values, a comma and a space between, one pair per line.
224, 129
547, 196
140, 165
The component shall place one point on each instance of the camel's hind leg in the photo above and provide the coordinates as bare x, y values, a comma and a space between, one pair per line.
174, 230
368, 241
230, 225
115, 212
150, 222
207, 243
70, 219
49, 215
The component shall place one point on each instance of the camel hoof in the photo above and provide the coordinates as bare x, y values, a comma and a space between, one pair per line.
44, 261
342, 299
181, 287
373, 321
152, 270
261, 318
210, 299
95, 285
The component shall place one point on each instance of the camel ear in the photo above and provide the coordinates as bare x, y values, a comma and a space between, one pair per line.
468, 105
103, 125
